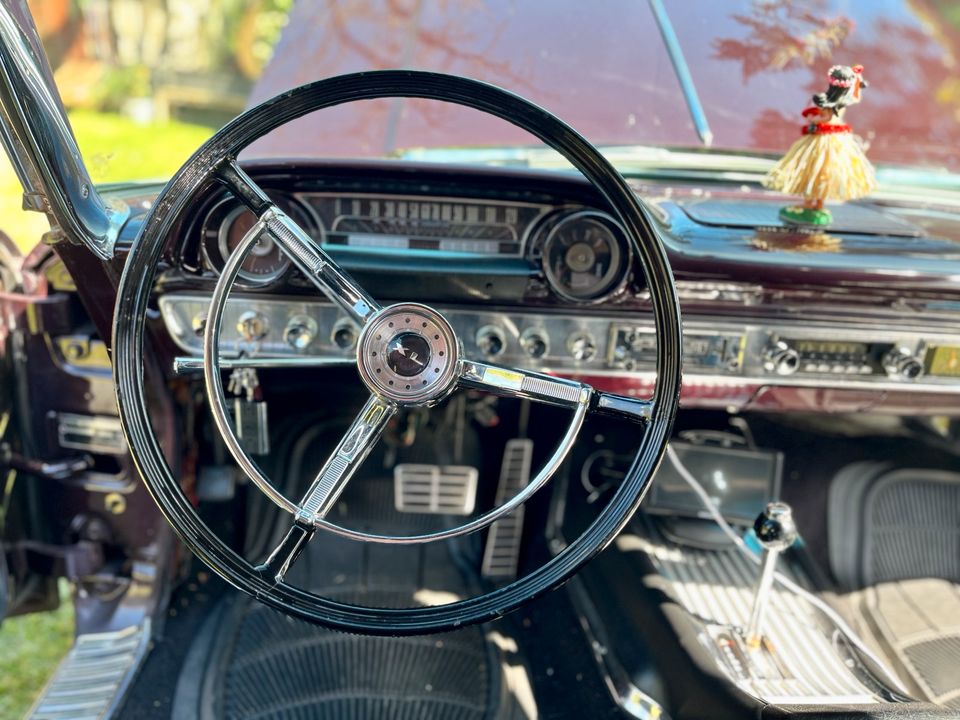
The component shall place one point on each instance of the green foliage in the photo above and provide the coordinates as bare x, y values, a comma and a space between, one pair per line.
120, 84
270, 21
117, 149
31, 646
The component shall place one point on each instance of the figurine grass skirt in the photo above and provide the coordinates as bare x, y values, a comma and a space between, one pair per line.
824, 166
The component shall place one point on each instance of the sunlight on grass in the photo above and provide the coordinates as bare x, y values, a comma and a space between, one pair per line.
115, 149
30, 648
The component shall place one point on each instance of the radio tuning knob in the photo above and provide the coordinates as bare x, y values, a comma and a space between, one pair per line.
490, 340
582, 346
534, 342
902, 363
781, 359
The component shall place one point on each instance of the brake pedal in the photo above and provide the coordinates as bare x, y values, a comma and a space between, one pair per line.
502, 552
435, 489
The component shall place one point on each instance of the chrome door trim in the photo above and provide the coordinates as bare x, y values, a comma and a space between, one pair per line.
37, 136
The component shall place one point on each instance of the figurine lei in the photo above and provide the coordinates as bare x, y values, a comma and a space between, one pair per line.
827, 162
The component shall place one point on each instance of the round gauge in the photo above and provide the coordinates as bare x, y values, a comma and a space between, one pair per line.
226, 224
585, 256
265, 261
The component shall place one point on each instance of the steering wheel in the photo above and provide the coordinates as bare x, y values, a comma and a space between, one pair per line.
389, 337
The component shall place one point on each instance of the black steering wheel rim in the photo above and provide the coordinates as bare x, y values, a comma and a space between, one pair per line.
136, 287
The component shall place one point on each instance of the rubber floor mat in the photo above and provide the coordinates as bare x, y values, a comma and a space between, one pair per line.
895, 541
283, 668
888, 525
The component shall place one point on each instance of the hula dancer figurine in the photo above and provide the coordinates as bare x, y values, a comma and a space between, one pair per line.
827, 162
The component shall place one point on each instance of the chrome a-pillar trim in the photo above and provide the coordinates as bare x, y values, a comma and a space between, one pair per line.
37, 136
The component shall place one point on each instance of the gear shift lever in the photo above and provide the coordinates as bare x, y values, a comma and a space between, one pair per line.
776, 531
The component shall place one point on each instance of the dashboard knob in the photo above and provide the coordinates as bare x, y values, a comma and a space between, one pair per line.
252, 325
344, 335
300, 332
198, 323
534, 342
491, 340
901, 363
781, 359
582, 346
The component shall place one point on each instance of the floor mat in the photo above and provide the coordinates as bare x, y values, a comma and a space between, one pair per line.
284, 668
888, 525
895, 542
917, 624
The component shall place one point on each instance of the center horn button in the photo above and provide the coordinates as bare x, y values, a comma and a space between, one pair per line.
408, 353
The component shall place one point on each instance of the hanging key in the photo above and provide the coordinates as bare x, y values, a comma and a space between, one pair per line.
249, 411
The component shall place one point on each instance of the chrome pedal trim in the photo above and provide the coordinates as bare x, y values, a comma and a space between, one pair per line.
717, 587
93, 678
502, 552
435, 489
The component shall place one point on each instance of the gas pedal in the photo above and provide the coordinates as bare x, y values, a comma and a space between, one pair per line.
435, 489
502, 552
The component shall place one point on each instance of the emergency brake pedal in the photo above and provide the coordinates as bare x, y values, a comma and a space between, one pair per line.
502, 552
435, 489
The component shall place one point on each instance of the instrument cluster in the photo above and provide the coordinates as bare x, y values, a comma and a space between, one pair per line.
581, 254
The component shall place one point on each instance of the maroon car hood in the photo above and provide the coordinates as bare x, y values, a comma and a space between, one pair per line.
604, 68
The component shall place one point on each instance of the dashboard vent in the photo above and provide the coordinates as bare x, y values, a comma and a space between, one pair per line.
851, 218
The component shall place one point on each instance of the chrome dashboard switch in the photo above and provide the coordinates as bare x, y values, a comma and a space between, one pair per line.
534, 342
252, 325
300, 332
582, 346
491, 340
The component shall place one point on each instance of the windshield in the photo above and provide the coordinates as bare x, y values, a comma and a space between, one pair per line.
149, 81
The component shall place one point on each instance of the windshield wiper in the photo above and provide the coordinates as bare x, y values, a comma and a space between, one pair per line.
682, 71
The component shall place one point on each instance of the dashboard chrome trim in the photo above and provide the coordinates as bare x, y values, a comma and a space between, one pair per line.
724, 353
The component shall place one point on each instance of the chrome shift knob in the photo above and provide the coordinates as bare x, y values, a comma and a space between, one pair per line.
776, 531
775, 527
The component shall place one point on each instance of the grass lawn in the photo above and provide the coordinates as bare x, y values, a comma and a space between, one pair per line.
30, 648
115, 148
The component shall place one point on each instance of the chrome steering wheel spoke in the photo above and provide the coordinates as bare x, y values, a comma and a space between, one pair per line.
311, 259
361, 437
352, 450
513, 382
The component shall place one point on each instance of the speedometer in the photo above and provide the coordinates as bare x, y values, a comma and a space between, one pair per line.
224, 228
585, 256
265, 261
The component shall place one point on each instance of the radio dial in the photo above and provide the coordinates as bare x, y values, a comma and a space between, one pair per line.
901, 363
781, 359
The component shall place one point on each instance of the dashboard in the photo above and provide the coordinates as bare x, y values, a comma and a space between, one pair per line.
532, 270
